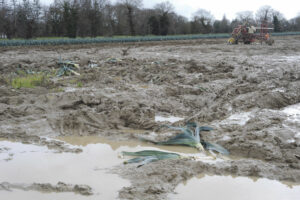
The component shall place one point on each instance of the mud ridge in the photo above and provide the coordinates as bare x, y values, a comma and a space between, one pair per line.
48, 188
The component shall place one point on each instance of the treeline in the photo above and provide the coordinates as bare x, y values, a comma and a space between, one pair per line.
92, 18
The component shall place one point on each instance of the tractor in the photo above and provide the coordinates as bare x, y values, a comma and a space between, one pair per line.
248, 34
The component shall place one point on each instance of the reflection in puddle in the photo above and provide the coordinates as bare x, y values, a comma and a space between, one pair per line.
34, 164
32, 195
240, 188
132, 145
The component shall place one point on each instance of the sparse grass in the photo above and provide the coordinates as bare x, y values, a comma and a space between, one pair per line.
29, 81
79, 84
21, 72
52, 73
75, 82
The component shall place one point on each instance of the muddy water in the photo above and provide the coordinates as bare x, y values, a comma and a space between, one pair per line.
126, 145
32, 195
239, 188
27, 164
171, 119
33, 164
293, 119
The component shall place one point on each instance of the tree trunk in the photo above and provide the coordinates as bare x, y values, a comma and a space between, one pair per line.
130, 20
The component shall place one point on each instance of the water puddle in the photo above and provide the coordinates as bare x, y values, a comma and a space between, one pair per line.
126, 145
171, 119
293, 112
27, 164
32, 195
35, 164
293, 119
295, 58
237, 119
75, 89
239, 188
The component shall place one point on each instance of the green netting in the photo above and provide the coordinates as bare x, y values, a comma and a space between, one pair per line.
34, 42
286, 33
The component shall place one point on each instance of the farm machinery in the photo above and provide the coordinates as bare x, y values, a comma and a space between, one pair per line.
250, 34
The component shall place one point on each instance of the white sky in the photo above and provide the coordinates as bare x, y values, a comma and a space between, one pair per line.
289, 8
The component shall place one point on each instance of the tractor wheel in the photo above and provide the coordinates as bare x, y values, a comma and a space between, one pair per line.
236, 41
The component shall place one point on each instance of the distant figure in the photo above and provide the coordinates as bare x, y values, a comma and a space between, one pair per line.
251, 29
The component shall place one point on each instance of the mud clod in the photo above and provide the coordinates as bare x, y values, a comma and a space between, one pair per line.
48, 188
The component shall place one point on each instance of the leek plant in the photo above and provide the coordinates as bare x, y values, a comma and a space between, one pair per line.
123, 39
190, 136
148, 156
66, 67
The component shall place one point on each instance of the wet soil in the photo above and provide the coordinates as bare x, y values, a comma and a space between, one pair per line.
249, 94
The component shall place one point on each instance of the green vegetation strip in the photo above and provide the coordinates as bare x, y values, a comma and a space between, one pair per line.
29, 81
66, 41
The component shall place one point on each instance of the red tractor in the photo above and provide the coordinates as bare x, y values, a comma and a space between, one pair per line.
249, 35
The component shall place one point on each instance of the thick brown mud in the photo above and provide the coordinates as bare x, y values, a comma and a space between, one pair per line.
249, 94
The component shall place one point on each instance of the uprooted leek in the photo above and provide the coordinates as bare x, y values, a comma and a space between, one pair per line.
192, 138
67, 66
148, 156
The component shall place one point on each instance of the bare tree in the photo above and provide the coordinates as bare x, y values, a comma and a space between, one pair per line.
110, 19
221, 26
225, 25
119, 17
295, 23
204, 19
164, 7
131, 5
178, 24
245, 16
3, 13
268, 15
55, 19
27, 19
70, 18
264, 13
164, 11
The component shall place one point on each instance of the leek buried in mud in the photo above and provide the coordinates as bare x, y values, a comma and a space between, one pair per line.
214, 147
191, 138
148, 156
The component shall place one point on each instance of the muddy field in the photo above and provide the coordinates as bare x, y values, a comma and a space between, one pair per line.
249, 94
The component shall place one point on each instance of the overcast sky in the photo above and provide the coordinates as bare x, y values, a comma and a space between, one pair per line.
289, 8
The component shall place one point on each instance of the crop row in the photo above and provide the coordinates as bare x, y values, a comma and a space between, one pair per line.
66, 41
